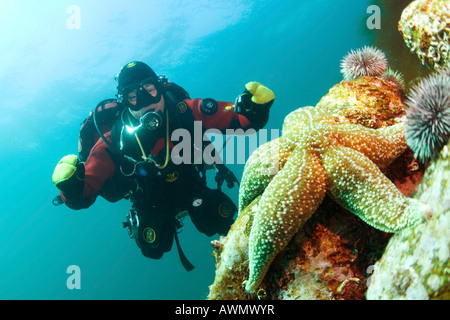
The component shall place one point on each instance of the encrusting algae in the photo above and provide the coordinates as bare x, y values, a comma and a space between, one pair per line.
416, 263
373, 102
425, 25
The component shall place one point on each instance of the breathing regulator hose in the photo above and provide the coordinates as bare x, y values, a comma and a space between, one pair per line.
144, 156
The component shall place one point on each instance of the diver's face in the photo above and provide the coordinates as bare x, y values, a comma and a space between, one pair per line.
159, 106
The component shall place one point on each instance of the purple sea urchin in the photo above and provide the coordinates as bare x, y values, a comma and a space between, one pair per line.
395, 77
368, 61
427, 128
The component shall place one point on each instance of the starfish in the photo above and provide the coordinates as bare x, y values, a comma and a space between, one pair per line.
319, 154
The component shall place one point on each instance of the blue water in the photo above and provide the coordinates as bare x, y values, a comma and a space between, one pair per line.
51, 76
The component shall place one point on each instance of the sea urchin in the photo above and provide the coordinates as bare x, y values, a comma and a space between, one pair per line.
395, 77
427, 127
368, 61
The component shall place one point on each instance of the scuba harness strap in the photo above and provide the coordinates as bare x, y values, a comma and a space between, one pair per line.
121, 155
184, 261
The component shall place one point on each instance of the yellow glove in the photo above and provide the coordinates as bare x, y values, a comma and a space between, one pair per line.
68, 175
261, 94
254, 103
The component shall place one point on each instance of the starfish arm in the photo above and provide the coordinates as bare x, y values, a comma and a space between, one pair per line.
288, 201
260, 168
381, 146
358, 185
294, 121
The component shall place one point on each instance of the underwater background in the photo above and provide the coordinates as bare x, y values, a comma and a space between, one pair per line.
54, 70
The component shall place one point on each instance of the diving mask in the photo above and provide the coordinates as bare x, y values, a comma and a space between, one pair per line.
147, 92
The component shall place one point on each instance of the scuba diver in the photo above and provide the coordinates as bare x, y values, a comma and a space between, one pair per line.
135, 158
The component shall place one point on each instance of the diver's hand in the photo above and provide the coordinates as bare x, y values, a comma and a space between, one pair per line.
68, 175
254, 96
255, 102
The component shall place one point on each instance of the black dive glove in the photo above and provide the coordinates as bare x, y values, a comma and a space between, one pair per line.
254, 103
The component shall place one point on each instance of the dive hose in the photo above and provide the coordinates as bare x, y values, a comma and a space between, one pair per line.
144, 156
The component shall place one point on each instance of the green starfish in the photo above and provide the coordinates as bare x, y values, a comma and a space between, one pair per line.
318, 154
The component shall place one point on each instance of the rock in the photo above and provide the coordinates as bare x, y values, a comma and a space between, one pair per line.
425, 25
416, 262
